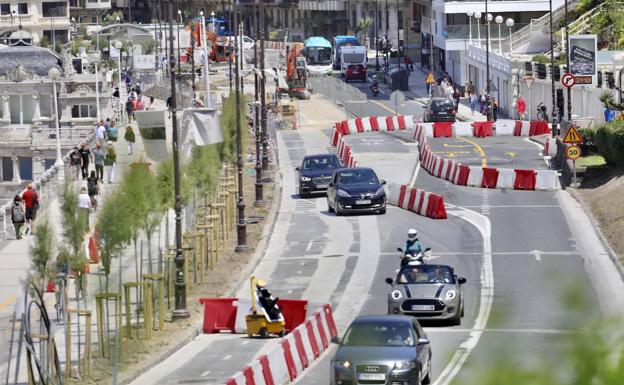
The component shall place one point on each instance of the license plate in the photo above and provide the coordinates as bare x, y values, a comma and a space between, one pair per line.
441, 113
423, 307
363, 202
372, 376
322, 186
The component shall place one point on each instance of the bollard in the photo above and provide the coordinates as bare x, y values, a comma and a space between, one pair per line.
221, 223
158, 279
100, 299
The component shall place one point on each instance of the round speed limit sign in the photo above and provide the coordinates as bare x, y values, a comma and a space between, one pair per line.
573, 152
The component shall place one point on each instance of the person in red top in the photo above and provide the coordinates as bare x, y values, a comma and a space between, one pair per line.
31, 201
521, 105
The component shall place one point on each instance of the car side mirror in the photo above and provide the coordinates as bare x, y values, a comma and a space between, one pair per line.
461, 280
297, 168
423, 341
383, 182
336, 340
389, 281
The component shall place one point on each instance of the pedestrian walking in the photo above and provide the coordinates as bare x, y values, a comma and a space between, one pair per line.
130, 138
98, 160
75, 161
482, 102
84, 206
470, 89
450, 91
100, 131
456, 98
18, 217
521, 106
31, 202
93, 189
130, 109
443, 87
494, 109
152, 105
473, 102
85, 155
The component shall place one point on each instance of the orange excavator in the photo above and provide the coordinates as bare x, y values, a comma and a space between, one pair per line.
296, 71
220, 48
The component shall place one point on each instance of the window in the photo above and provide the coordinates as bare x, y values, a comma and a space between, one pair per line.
84, 111
5, 9
54, 9
22, 8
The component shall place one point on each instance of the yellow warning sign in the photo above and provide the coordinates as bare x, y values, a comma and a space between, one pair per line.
572, 136
430, 78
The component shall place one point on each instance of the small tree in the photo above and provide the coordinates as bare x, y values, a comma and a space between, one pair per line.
75, 226
41, 252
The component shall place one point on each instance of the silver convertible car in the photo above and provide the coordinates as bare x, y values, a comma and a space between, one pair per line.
382, 349
427, 292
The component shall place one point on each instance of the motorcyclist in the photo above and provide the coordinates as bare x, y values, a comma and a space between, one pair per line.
412, 247
375, 86
267, 301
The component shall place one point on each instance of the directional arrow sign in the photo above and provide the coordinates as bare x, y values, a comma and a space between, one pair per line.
572, 136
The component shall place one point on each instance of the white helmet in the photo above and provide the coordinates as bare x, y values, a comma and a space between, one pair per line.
412, 233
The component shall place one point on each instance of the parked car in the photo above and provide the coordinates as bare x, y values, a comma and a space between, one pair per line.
427, 292
439, 110
385, 349
315, 173
356, 72
356, 189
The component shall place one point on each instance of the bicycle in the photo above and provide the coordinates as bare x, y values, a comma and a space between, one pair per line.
542, 112
60, 294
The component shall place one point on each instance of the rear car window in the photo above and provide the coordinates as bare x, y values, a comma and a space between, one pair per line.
442, 104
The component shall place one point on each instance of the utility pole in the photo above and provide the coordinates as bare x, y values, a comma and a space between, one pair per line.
241, 227
180, 311
257, 126
398, 37
263, 112
567, 52
553, 128
487, 66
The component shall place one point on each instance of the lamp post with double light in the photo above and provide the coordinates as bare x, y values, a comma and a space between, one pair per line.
499, 20
179, 57
118, 45
470, 14
488, 88
55, 74
510, 23
477, 16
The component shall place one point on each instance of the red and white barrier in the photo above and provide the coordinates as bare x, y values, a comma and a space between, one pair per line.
418, 201
291, 355
372, 124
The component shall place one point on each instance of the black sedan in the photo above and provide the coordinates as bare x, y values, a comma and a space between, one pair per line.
356, 190
440, 110
382, 350
315, 173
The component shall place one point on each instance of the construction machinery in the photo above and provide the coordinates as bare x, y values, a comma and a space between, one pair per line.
265, 318
296, 71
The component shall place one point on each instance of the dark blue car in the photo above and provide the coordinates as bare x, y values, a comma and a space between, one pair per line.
315, 173
356, 190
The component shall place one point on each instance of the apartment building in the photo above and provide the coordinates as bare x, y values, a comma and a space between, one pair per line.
48, 18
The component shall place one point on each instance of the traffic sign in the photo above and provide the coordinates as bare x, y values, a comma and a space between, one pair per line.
573, 152
528, 80
584, 79
568, 80
430, 78
572, 136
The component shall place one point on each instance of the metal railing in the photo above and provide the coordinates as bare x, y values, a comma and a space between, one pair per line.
462, 31
338, 92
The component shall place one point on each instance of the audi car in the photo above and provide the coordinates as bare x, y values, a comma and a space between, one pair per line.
356, 72
315, 173
383, 349
440, 110
356, 190
427, 292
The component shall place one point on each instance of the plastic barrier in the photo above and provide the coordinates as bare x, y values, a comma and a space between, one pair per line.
525, 180
390, 124
428, 129
538, 127
505, 127
443, 129
294, 311
419, 201
219, 314
462, 176
483, 129
505, 178
490, 177
474, 177
358, 125
462, 128
366, 124
546, 180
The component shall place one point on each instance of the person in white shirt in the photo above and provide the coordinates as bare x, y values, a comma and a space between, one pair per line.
100, 132
84, 205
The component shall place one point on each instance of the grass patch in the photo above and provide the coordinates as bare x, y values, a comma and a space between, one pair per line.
591, 161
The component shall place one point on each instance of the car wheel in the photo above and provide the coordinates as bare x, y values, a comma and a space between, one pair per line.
264, 333
338, 212
302, 194
329, 208
427, 379
456, 321
382, 211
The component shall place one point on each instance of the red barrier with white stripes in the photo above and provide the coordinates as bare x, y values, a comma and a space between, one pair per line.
418, 201
291, 355
485, 177
371, 124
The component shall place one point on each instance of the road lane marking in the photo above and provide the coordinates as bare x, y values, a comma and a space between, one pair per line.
227, 357
537, 254
309, 246
482, 223
433, 330
8, 301
478, 148
384, 107
204, 374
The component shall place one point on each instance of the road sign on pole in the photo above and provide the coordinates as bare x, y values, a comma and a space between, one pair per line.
568, 80
528, 80
573, 152
572, 136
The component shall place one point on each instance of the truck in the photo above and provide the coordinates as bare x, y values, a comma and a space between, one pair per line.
353, 63
342, 41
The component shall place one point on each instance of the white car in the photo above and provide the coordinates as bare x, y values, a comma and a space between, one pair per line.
248, 43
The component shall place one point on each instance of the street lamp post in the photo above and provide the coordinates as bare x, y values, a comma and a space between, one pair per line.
55, 74
180, 311
118, 45
567, 44
263, 111
499, 21
257, 126
470, 14
376, 36
179, 57
553, 127
488, 97
477, 16
241, 227
510, 23
212, 19
398, 37
206, 72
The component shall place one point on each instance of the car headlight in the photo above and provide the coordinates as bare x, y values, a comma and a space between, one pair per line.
305, 179
451, 294
379, 192
344, 194
402, 365
344, 364
396, 295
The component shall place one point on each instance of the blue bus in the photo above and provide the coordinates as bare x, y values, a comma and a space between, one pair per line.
318, 54
340, 41
222, 26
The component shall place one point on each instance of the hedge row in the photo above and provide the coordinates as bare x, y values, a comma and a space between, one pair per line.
610, 142
589, 141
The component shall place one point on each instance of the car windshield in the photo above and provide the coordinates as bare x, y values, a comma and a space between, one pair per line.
426, 274
379, 334
358, 176
318, 55
329, 162
442, 104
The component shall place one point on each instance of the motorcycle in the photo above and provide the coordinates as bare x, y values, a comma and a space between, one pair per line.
410, 259
375, 89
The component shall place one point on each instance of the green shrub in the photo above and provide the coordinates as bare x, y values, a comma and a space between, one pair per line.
602, 143
589, 141
610, 142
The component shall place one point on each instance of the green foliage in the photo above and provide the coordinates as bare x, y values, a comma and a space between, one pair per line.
109, 64
41, 251
103, 41
44, 42
228, 127
589, 141
129, 135
364, 25
165, 185
74, 224
148, 46
58, 48
111, 18
541, 59
610, 142
204, 167
609, 101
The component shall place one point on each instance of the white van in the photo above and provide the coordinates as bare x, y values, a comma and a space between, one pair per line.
353, 58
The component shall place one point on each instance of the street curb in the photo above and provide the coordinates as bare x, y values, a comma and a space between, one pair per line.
148, 364
612, 255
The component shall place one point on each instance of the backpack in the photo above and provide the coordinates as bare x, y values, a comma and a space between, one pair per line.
92, 186
17, 214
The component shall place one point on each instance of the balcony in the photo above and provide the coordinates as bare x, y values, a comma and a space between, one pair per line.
6, 20
462, 31
462, 6
97, 4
